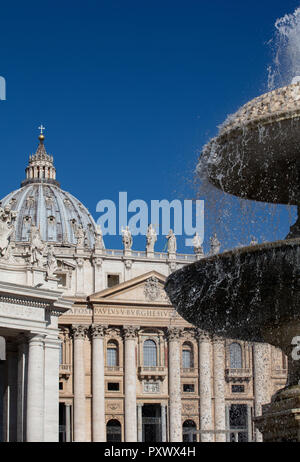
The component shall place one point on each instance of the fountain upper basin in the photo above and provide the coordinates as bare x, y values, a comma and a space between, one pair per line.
256, 154
247, 293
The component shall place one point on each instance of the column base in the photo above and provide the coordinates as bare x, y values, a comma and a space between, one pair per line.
280, 420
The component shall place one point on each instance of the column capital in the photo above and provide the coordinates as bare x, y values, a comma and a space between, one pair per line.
218, 340
98, 330
130, 332
174, 333
79, 331
35, 338
202, 335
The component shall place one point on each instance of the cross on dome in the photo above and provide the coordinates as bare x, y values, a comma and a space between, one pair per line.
41, 127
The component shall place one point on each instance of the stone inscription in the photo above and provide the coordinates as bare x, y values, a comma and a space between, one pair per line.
123, 312
23, 312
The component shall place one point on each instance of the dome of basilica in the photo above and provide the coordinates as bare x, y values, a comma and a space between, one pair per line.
41, 202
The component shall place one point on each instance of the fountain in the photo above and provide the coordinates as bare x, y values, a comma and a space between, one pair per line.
253, 293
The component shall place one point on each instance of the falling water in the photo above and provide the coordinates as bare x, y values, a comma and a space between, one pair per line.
236, 220
286, 50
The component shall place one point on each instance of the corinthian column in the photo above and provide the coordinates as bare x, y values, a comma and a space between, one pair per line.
205, 384
130, 333
79, 333
219, 386
174, 384
98, 402
261, 364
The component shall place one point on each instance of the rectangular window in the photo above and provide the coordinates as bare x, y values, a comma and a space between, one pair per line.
238, 389
62, 280
113, 280
113, 386
188, 388
238, 419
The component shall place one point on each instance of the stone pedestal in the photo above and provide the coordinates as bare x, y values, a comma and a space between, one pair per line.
280, 420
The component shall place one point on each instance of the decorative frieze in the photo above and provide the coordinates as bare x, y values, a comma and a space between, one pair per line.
151, 387
24, 301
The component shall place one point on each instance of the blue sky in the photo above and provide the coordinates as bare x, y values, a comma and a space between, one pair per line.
129, 91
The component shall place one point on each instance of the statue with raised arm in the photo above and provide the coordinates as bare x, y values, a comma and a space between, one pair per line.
172, 244
151, 238
127, 238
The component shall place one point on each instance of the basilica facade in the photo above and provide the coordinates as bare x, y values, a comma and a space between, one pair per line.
127, 366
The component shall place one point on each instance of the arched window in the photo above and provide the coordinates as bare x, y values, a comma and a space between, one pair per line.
187, 356
235, 352
112, 354
113, 431
150, 353
186, 436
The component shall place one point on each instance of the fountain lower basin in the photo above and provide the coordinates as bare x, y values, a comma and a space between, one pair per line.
250, 293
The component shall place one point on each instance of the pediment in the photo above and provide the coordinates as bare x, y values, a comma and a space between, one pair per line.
146, 289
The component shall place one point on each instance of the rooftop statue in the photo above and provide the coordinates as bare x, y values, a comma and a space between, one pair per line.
37, 246
198, 249
215, 245
151, 238
172, 244
99, 243
80, 236
127, 238
51, 261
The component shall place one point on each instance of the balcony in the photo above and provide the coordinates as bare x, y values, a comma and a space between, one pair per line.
238, 375
65, 370
113, 370
279, 373
189, 371
154, 373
